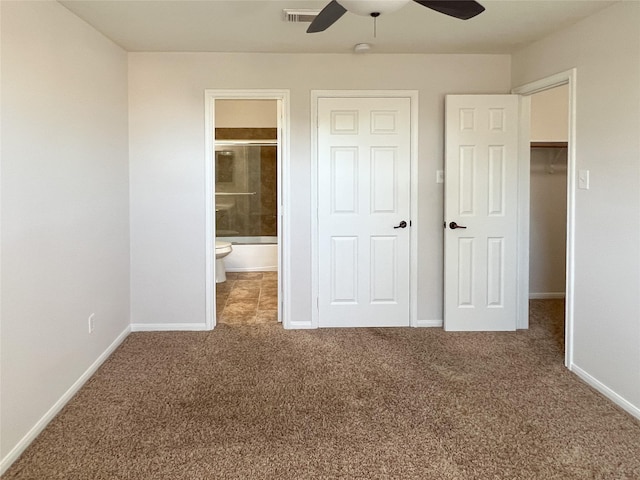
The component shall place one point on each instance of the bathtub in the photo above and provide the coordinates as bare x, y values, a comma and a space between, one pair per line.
252, 254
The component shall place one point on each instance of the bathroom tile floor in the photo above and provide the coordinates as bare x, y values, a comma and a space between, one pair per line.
248, 298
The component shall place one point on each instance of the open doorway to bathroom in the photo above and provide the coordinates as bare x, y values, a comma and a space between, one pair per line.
245, 156
246, 206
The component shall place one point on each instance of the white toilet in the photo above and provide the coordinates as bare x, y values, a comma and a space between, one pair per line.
222, 250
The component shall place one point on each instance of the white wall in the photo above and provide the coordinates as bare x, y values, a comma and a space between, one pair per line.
65, 232
550, 115
166, 94
548, 221
246, 113
605, 49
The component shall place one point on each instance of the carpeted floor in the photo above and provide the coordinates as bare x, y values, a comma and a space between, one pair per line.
258, 402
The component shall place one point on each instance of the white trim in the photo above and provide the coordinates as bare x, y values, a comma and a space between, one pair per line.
315, 268
252, 269
606, 391
414, 205
565, 78
284, 207
299, 325
429, 323
40, 425
284, 224
169, 327
209, 216
545, 295
556, 80
524, 200
412, 95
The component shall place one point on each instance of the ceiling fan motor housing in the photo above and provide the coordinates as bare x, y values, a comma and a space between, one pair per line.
335, 9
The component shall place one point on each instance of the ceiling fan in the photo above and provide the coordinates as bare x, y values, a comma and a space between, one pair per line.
462, 9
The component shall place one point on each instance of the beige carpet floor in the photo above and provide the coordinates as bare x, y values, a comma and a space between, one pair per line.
259, 402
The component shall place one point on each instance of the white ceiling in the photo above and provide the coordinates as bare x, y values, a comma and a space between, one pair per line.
258, 26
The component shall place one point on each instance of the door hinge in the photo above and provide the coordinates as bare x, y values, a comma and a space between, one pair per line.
318, 303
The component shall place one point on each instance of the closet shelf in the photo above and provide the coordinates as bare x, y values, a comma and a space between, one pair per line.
549, 144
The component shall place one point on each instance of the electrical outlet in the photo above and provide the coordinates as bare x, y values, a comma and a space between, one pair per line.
91, 322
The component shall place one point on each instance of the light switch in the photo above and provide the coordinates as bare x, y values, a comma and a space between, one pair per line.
583, 179
440, 176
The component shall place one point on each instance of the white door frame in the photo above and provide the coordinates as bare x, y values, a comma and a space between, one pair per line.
283, 162
412, 95
563, 78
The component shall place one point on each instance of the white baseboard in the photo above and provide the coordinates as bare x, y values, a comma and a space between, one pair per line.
418, 324
545, 295
299, 326
606, 391
31, 435
168, 327
254, 269
429, 323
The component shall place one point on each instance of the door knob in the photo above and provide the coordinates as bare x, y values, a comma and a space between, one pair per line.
454, 225
402, 224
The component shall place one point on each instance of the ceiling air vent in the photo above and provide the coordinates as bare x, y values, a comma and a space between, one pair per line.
299, 15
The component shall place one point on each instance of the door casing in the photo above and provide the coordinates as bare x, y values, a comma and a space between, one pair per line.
568, 78
283, 169
412, 95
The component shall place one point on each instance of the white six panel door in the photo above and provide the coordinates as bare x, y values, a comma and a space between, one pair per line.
364, 147
481, 194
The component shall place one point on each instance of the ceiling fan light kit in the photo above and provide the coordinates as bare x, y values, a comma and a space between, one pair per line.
361, 48
367, 7
331, 13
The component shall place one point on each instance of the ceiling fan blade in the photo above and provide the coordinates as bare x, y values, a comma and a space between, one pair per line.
462, 9
327, 17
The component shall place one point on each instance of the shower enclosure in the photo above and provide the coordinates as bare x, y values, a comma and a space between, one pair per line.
246, 191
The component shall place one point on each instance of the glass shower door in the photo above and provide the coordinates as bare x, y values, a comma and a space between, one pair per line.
246, 190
